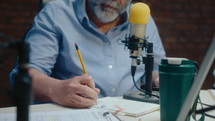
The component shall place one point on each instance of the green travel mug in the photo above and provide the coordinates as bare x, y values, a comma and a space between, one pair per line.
176, 78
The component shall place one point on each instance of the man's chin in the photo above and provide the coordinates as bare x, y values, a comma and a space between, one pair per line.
107, 19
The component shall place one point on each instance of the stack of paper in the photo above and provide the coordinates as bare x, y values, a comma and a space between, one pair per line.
127, 107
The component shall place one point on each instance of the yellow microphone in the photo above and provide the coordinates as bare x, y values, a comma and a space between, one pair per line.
137, 44
139, 18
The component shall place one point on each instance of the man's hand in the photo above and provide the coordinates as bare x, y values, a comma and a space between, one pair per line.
78, 92
155, 78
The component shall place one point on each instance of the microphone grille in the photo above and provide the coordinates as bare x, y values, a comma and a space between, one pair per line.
139, 13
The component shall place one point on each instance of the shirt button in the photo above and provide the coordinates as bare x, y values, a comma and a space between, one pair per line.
110, 66
113, 89
108, 43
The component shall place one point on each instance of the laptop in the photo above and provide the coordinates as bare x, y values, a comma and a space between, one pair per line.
199, 79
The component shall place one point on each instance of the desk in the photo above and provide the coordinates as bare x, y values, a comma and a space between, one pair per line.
155, 116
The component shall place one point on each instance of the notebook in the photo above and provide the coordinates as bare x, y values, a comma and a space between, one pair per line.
201, 75
127, 107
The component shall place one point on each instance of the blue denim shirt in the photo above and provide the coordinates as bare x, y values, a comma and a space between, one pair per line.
61, 23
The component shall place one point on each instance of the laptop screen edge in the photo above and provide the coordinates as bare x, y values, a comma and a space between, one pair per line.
200, 77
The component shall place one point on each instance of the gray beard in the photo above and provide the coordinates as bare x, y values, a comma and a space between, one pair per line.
106, 15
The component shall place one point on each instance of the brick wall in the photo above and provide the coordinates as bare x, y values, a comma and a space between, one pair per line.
186, 28
16, 17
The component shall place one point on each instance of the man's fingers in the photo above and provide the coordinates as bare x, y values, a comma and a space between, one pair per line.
80, 92
78, 101
155, 78
87, 80
156, 82
86, 91
97, 90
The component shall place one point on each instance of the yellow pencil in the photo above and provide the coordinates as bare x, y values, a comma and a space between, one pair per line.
81, 59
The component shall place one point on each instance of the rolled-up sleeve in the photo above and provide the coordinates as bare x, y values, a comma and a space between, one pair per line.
44, 43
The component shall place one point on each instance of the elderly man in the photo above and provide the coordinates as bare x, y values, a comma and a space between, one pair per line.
95, 25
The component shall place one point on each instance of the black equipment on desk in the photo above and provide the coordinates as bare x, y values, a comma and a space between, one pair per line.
137, 43
22, 86
145, 93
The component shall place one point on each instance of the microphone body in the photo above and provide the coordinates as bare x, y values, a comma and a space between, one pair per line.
139, 17
137, 31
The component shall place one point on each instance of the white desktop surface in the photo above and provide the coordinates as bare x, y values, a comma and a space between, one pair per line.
155, 116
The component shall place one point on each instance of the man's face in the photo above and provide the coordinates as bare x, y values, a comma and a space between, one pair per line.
108, 10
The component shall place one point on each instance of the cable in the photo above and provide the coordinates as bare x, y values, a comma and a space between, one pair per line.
205, 104
141, 89
210, 116
193, 110
204, 110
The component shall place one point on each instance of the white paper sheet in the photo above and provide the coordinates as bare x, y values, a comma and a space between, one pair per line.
94, 114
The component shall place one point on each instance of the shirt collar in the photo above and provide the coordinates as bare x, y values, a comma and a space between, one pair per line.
80, 10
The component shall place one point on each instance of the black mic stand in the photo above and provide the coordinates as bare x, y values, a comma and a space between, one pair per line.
22, 93
145, 92
22, 85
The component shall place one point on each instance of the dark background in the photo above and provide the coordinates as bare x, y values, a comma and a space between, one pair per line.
186, 28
